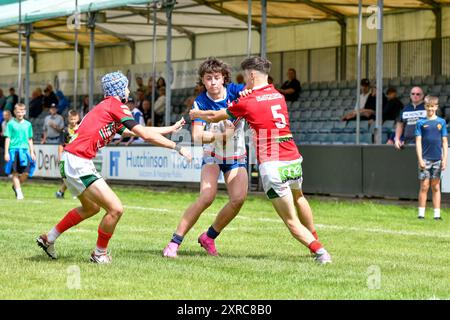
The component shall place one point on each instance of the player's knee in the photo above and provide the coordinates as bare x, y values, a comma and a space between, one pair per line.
117, 211
238, 200
207, 199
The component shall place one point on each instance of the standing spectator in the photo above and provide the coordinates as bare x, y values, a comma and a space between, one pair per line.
36, 103
432, 149
147, 112
393, 106
240, 79
49, 97
63, 103
11, 100
73, 118
291, 88
407, 120
19, 150
7, 116
2, 100
53, 126
85, 106
160, 107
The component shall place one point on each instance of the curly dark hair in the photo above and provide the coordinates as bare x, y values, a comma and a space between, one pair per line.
212, 65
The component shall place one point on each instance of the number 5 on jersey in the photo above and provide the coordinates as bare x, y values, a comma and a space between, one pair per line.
281, 123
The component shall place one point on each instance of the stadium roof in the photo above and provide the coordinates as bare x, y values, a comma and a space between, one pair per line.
127, 21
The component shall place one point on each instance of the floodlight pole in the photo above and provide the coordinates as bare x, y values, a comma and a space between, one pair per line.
379, 108
28, 30
75, 59
169, 4
19, 79
263, 28
91, 26
249, 29
358, 70
154, 6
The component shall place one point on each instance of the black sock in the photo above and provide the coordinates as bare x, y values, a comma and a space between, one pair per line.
177, 239
212, 233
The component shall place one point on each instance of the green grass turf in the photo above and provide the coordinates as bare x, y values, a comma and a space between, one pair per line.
259, 259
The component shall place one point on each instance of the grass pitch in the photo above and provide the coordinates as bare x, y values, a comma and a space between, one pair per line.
379, 251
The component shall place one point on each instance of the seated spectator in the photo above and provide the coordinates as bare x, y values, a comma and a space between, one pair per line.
11, 100
2, 100
393, 106
53, 126
140, 84
160, 107
146, 106
149, 89
63, 103
291, 88
367, 103
161, 82
36, 103
140, 97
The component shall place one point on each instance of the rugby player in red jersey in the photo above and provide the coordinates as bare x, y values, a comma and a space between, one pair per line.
95, 131
265, 110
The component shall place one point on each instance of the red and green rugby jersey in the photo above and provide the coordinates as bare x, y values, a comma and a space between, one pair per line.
98, 128
265, 110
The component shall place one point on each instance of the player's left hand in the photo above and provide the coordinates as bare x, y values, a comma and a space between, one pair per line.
33, 156
179, 124
443, 165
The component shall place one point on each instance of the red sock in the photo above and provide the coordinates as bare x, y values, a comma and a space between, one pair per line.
315, 246
71, 219
314, 233
103, 239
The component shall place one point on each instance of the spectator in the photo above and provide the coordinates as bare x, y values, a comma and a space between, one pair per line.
11, 100
393, 106
7, 116
407, 120
53, 126
160, 107
85, 106
36, 103
432, 149
367, 103
49, 97
63, 103
140, 84
148, 90
19, 150
73, 118
138, 117
291, 88
2, 100
147, 112
160, 83
140, 97
240, 79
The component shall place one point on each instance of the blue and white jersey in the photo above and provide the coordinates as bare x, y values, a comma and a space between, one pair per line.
432, 131
409, 116
236, 149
